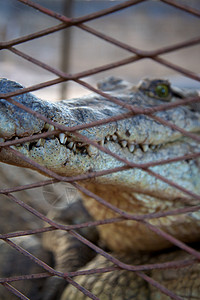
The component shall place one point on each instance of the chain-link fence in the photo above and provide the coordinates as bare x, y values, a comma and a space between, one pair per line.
44, 270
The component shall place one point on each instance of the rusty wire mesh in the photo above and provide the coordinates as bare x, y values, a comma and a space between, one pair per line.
134, 56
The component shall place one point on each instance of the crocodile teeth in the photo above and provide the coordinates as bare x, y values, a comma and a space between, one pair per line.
101, 143
124, 143
62, 138
70, 145
49, 127
108, 138
131, 147
92, 151
46, 126
38, 143
114, 137
144, 147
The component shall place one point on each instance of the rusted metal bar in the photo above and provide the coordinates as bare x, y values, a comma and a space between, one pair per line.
138, 54
101, 222
130, 164
159, 286
14, 291
135, 110
86, 18
32, 36
183, 7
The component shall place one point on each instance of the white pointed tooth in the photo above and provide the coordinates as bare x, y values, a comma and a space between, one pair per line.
38, 143
74, 147
131, 147
124, 143
51, 128
101, 142
114, 137
46, 126
70, 145
62, 138
145, 147
92, 151
108, 138
2, 140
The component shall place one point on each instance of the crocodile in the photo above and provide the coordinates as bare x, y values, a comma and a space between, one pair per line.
136, 139
14, 263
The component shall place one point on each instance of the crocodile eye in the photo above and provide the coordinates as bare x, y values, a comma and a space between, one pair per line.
162, 91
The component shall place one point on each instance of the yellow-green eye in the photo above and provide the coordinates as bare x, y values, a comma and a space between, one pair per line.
162, 91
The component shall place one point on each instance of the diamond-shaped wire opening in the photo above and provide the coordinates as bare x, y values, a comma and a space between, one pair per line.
134, 55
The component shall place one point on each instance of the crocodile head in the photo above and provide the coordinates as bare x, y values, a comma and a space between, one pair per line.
138, 139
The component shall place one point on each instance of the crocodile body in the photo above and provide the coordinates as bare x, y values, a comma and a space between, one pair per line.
138, 139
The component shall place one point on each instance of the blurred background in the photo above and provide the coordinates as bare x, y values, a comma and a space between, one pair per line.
149, 25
